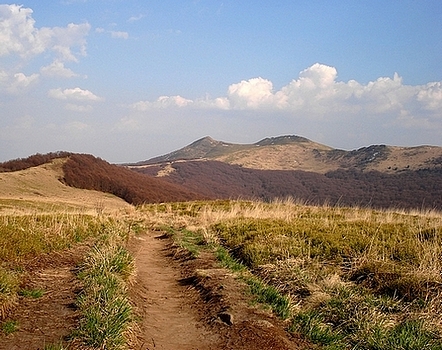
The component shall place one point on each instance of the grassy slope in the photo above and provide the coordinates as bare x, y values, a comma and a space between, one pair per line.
40, 215
356, 278
39, 188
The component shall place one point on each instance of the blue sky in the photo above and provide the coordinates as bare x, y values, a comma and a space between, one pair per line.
129, 80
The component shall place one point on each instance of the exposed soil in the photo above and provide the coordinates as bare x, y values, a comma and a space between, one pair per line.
50, 318
188, 303
182, 303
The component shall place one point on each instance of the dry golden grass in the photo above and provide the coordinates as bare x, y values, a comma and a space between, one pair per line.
350, 273
39, 189
304, 156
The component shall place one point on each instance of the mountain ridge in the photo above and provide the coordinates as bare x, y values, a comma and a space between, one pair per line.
292, 152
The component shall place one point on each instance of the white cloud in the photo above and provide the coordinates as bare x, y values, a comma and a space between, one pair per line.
119, 35
75, 94
251, 94
57, 69
18, 82
317, 94
19, 35
431, 96
162, 102
136, 18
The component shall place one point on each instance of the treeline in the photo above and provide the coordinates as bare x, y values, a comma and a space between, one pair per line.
88, 172
31, 161
408, 189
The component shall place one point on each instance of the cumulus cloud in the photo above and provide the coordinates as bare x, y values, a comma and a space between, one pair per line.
19, 35
431, 96
75, 94
22, 41
18, 82
162, 102
316, 93
57, 69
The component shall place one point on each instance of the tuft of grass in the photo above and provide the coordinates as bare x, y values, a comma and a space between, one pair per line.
227, 260
31, 293
106, 313
269, 295
9, 326
9, 286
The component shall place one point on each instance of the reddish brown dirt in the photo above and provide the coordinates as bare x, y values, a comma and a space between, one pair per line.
188, 303
181, 303
50, 318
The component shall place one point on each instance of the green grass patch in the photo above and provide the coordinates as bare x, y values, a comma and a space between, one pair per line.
9, 326
270, 296
106, 313
31, 293
227, 260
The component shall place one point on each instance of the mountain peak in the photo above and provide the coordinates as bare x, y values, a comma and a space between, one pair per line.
282, 140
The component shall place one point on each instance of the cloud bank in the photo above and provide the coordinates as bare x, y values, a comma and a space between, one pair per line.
22, 42
317, 94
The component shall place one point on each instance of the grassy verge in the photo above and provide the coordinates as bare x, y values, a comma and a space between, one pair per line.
26, 236
106, 312
354, 278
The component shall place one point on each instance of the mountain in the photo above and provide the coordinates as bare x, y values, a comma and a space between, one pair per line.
298, 153
292, 166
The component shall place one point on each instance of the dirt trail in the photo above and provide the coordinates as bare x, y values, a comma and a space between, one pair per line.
170, 321
190, 303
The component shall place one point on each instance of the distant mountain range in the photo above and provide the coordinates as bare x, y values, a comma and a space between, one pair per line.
293, 166
299, 153
378, 176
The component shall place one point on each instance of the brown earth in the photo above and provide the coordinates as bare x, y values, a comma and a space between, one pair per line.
188, 303
49, 319
183, 303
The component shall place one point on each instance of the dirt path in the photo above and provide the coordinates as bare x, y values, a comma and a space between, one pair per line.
170, 321
193, 304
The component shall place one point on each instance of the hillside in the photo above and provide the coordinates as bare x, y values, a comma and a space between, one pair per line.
298, 153
214, 179
39, 187
292, 166
62, 174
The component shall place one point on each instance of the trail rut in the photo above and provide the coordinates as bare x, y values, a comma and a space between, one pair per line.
193, 304
164, 301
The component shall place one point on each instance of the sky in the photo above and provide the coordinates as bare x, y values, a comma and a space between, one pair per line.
129, 80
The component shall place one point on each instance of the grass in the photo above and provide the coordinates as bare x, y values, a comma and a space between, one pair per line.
31, 293
346, 277
9, 326
106, 312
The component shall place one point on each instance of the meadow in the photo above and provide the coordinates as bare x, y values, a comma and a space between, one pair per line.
345, 278
30, 231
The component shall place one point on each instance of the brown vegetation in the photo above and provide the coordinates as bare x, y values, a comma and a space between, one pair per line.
31, 161
406, 189
88, 172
